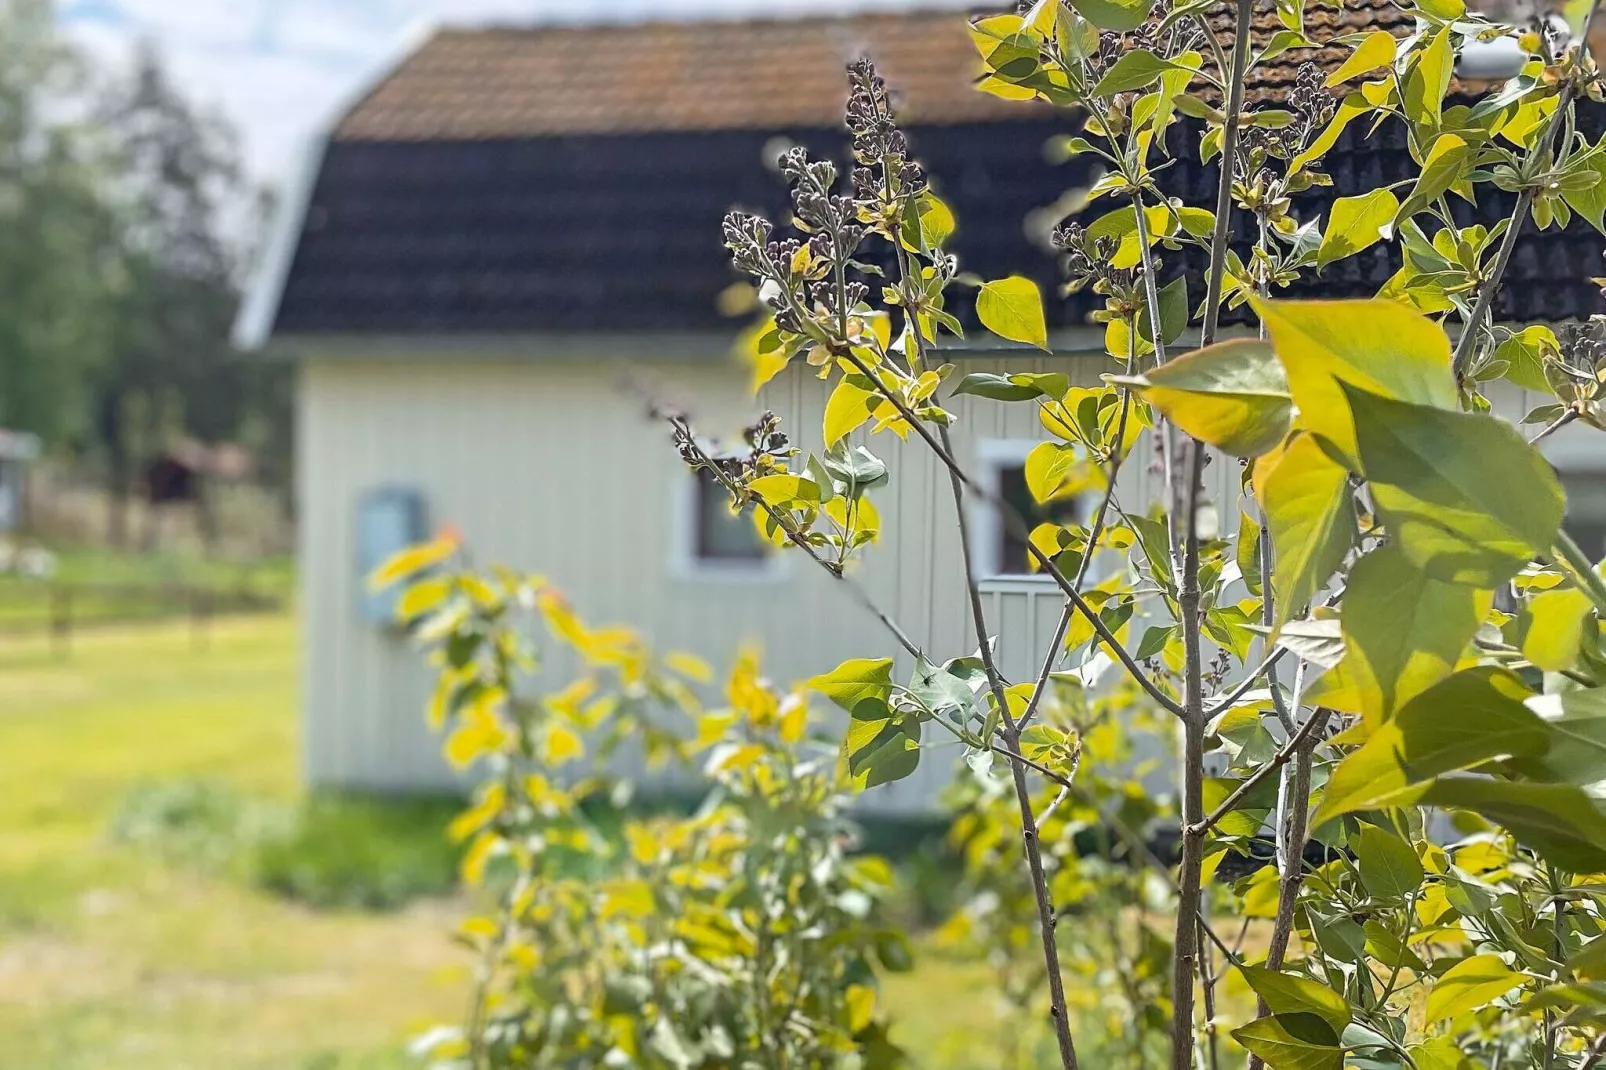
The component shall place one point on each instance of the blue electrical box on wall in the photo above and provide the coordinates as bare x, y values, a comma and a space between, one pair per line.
389, 520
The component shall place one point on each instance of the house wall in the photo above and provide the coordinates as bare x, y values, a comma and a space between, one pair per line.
555, 467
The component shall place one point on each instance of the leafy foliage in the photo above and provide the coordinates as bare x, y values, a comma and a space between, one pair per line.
745, 934
1418, 800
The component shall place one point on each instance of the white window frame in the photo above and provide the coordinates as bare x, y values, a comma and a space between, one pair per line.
686, 565
991, 456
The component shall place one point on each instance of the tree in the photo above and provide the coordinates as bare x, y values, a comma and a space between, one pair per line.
1375, 478
57, 259
171, 369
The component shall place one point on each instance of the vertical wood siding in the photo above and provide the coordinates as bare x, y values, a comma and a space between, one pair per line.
555, 468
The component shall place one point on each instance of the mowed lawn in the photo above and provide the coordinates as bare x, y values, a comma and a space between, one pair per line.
113, 959
110, 958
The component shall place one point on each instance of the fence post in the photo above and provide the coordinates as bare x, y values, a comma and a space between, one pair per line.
200, 617
60, 619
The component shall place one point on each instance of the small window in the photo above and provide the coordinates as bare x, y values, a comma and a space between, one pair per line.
710, 542
1586, 510
720, 535
389, 520
1000, 552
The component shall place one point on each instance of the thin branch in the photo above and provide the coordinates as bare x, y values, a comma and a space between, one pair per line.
1553, 426
1277, 761
1583, 570
1017, 767
1487, 292
788, 528
1117, 456
1017, 527
1246, 685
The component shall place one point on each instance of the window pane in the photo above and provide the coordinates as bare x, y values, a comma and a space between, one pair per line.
1013, 557
721, 534
1586, 511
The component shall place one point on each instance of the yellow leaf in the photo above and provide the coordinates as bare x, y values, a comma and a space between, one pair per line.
1012, 308
1312, 521
1055, 470
861, 1007
847, 410
479, 815
1555, 626
561, 744
778, 490
794, 718
1470, 984
690, 666
479, 730
423, 597
1380, 346
412, 561
627, 898
1377, 50
1232, 395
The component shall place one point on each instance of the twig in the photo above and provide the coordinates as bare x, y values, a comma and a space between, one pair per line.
1017, 527
1555, 425
784, 522
1023, 795
1519, 215
1278, 760
1583, 570
1117, 456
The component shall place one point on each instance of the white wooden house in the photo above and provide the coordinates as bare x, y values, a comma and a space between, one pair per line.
512, 223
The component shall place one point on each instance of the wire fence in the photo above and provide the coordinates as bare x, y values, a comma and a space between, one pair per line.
58, 609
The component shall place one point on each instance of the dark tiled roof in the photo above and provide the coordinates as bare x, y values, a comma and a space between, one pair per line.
574, 179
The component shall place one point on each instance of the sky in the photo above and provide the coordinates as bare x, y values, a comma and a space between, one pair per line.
281, 69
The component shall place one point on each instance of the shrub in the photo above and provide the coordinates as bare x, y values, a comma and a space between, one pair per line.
353, 852
741, 935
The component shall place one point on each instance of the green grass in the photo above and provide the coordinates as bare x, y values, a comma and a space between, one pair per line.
112, 955
123, 947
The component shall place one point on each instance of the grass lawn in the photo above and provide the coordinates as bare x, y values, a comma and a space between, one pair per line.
112, 958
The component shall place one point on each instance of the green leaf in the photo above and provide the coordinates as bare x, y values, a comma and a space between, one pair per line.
1012, 308
1577, 755
1136, 69
1380, 346
1524, 353
1377, 50
1470, 718
929, 225
1447, 10
1232, 395
1555, 622
1054, 470
1403, 631
1173, 312
1287, 993
1470, 984
1117, 15
855, 680
1589, 201
1428, 79
1357, 223
1558, 821
1293, 1042
1020, 386
1390, 868
1467, 499
1447, 162
880, 746
1353, 105
1312, 521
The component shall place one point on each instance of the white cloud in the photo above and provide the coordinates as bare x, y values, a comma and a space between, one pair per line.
279, 68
